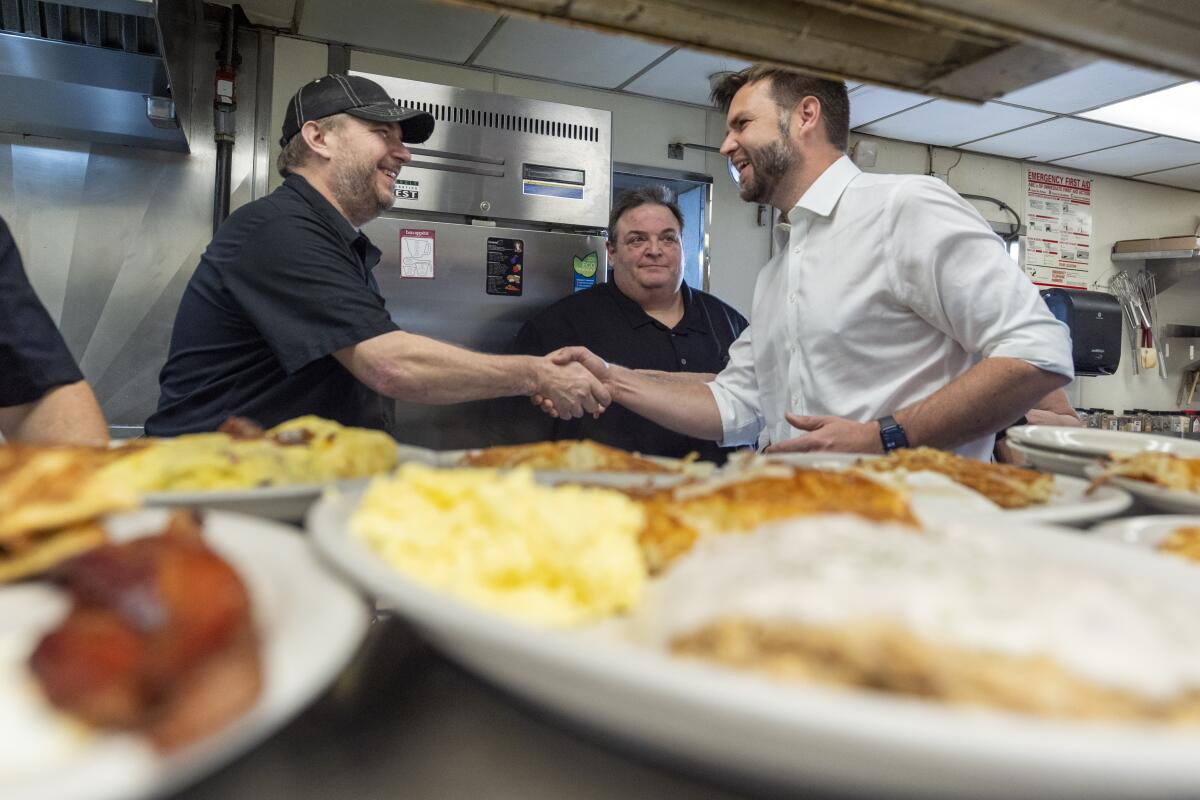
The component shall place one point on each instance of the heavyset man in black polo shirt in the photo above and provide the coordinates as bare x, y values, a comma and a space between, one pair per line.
43, 396
283, 317
644, 318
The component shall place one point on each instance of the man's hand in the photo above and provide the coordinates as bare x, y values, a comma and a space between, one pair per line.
836, 434
566, 388
567, 356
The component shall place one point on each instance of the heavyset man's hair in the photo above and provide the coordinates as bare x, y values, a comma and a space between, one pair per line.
788, 88
296, 152
642, 196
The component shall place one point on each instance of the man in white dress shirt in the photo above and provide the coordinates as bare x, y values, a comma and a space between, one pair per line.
891, 315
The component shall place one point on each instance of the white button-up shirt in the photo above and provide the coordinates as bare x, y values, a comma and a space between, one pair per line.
883, 289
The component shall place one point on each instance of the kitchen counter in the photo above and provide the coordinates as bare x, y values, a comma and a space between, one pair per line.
404, 722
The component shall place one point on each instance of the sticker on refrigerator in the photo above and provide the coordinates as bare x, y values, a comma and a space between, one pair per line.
407, 190
585, 271
505, 260
417, 249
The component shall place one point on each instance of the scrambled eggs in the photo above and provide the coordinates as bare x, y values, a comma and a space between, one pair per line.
324, 451
553, 556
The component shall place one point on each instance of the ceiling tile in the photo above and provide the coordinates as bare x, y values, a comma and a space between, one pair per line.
1149, 155
1096, 84
869, 103
416, 27
683, 75
1056, 138
1183, 177
570, 55
945, 122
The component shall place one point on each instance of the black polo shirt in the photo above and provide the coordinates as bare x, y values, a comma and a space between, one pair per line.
284, 284
616, 328
33, 356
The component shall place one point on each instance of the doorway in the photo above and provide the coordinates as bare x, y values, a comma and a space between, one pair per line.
693, 194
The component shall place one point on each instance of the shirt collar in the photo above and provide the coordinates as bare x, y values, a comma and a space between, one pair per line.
822, 195
637, 317
355, 239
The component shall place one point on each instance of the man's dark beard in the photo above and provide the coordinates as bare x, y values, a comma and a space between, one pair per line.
354, 189
769, 164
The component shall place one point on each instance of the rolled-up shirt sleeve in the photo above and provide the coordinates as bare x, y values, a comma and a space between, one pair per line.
949, 267
313, 301
736, 391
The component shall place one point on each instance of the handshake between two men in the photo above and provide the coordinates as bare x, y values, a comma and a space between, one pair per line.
988, 397
679, 401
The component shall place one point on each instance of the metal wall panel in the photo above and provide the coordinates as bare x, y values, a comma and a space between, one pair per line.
484, 145
455, 307
110, 235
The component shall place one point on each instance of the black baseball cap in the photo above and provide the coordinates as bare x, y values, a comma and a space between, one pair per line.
355, 95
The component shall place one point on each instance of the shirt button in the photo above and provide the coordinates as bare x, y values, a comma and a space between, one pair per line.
683, 361
793, 299
796, 249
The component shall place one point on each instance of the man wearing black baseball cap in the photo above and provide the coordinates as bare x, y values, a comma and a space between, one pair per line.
283, 317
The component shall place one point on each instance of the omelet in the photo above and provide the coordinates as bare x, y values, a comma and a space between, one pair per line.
556, 556
305, 450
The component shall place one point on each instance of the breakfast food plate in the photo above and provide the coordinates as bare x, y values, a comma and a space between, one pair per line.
1099, 443
1157, 498
1054, 460
801, 736
308, 623
1150, 531
280, 503
935, 496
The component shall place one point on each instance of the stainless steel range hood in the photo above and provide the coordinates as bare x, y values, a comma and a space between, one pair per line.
93, 71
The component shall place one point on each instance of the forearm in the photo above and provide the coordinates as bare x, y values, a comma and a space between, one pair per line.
418, 369
988, 397
65, 415
677, 377
686, 407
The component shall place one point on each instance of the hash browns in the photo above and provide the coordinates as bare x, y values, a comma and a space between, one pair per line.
1161, 469
1005, 485
568, 456
677, 517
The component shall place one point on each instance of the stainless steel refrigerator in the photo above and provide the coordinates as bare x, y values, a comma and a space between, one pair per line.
501, 213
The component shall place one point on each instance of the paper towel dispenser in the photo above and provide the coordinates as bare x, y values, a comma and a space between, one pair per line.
1095, 322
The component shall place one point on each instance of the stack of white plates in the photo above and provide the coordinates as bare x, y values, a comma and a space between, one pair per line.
1069, 450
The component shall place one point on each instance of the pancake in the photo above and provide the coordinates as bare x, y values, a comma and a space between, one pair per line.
1005, 485
43, 488
36, 553
677, 517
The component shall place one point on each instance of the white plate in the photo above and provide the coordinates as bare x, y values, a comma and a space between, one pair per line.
1093, 442
1054, 460
799, 736
309, 624
935, 499
819, 460
1144, 531
1071, 503
282, 503
1153, 496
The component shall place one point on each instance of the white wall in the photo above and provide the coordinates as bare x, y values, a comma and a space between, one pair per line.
739, 246
296, 63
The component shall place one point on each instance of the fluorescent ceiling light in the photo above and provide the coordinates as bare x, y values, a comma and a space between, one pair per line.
1171, 112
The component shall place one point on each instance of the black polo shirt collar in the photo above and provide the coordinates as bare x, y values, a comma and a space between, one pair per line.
368, 253
633, 313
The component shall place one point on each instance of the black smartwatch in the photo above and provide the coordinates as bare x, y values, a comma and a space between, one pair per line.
891, 434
